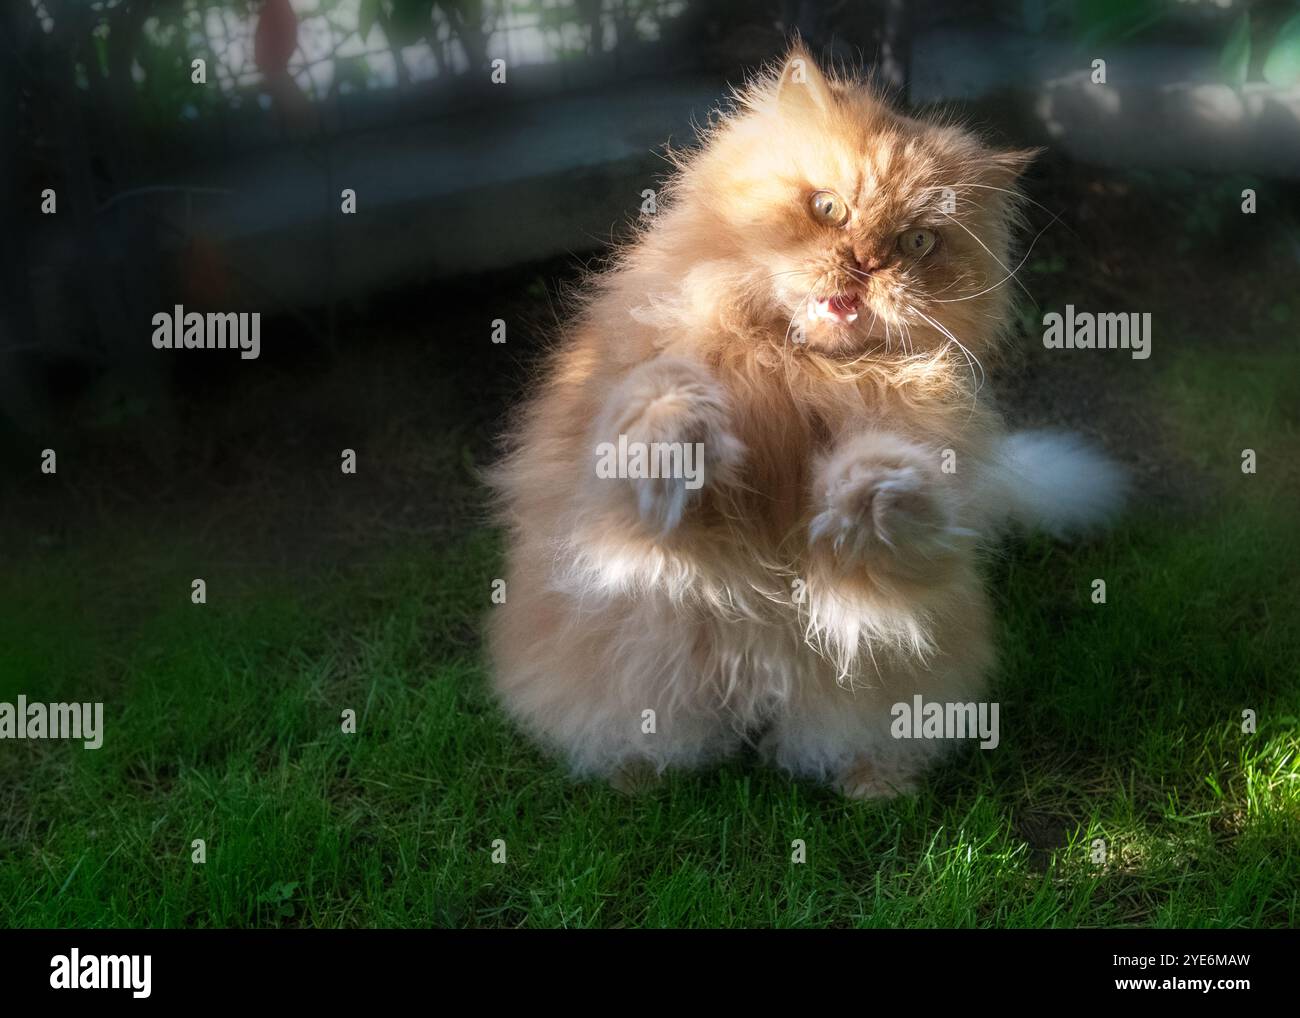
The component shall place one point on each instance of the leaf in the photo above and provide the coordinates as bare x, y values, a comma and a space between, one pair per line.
278, 893
101, 54
1282, 65
1235, 56
1105, 21
409, 21
354, 71
366, 17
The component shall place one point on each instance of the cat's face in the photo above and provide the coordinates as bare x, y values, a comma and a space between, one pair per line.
853, 226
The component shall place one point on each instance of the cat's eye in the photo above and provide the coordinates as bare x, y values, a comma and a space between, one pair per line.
829, 208
917, 242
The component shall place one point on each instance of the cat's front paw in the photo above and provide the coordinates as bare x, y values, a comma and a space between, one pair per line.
882, 500
666, 432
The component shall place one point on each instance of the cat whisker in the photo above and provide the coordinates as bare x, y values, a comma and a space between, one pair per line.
785, 341
787, 272
960, 277
971, 359
1011, 273
1019, 196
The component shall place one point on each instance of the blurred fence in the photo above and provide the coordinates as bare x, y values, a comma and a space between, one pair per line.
219, 183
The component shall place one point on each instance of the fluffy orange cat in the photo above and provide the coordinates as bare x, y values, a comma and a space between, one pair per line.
747, 500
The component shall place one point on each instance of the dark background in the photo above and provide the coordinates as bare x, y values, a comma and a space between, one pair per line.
478, 201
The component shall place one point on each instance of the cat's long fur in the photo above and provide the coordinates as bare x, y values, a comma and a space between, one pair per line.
828, 567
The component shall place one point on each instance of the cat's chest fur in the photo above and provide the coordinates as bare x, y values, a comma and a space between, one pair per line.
789, 422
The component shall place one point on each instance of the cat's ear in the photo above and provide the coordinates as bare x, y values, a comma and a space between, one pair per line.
1006, 166
801, 87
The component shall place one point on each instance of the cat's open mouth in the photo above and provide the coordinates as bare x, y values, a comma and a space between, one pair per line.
838, 307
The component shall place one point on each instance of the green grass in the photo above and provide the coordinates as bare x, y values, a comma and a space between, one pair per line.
1119, 721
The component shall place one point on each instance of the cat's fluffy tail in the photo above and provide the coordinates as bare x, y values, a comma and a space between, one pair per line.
1055, 482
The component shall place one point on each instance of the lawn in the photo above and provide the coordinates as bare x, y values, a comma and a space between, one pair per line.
1122, 723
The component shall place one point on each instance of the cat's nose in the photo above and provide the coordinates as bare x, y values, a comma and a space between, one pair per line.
868, 259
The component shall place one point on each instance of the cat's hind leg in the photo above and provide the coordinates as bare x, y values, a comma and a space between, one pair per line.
843, 724
612, 690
